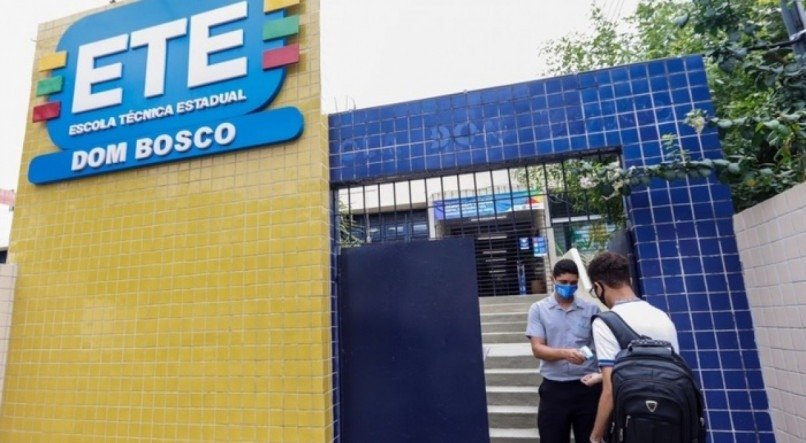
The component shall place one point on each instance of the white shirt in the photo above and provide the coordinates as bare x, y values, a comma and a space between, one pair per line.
644, 318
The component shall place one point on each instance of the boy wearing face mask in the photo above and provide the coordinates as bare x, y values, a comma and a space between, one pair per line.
558, 326
610, 274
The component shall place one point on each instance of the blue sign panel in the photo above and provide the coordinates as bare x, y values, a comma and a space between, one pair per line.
486, 205
165, 80
540, 247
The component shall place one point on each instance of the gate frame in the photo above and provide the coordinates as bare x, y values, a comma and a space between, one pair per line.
684, 240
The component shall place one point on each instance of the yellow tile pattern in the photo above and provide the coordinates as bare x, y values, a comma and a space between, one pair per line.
274, 5
52, 61
186, 302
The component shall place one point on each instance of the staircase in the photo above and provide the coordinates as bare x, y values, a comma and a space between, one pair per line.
510, 369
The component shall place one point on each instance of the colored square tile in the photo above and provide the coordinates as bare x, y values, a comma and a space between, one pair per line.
285, 27
47, 111
274, 5
53, 61
49, 86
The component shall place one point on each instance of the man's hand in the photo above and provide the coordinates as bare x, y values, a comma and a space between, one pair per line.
591, 379
605, 406
574, 356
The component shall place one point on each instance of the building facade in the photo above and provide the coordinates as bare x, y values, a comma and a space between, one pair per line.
176, 270
184, 301
683, 238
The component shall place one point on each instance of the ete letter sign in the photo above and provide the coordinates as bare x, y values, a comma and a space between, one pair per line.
159, 81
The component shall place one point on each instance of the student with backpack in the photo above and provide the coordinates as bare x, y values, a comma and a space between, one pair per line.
648, 392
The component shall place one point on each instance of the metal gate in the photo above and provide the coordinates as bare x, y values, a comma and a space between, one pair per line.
410, 348
522, 217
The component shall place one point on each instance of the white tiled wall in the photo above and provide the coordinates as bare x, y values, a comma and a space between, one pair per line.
8, 275
772, 245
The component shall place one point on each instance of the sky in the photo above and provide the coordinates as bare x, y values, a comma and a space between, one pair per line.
373, 52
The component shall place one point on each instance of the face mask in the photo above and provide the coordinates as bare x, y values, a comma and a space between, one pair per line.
565, 292
598, 295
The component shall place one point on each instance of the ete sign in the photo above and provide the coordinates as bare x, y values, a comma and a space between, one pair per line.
159, 81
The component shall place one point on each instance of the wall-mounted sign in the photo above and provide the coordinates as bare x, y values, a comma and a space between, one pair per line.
540, 247
158, 81
487, 205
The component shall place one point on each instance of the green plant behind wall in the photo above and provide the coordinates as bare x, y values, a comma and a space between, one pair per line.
758, 88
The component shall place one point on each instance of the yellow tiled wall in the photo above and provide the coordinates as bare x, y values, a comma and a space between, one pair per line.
186, 302
8, 277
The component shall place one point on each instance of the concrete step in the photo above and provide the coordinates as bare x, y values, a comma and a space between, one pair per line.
505, 317
513, 417
504, 337
503, 435
504, 326
509, 435
493, 350
509, 299
511, 371
512, 396
512, 377
504, 307
523, 362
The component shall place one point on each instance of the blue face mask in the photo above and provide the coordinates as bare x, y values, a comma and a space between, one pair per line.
566, 292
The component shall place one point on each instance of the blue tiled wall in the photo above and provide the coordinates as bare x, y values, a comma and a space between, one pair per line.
685, 242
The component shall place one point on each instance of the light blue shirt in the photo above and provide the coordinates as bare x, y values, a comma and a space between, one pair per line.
563, 329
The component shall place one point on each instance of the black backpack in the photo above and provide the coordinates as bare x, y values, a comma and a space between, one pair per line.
655, 395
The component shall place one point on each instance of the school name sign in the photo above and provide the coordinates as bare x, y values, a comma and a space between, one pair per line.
159, 81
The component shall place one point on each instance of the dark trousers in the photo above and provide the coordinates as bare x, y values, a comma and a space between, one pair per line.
566, 405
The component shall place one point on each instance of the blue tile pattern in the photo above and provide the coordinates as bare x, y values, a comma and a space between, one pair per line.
335, 319
686, 248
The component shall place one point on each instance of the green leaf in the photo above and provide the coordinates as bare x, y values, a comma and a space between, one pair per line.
759, 95
681, 20
728, 65
772, 124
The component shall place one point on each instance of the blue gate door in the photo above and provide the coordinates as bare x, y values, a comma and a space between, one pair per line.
411, 365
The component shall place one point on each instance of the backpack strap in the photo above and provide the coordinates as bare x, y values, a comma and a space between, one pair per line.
623, 332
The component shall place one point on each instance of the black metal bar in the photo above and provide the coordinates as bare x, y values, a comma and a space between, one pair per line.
428, 208
566, 194
461, 211
410, 225
394, 205
494, 196
550, 224
476, 194
349, 213
381, 224
366, 214
585, 194
516, 233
